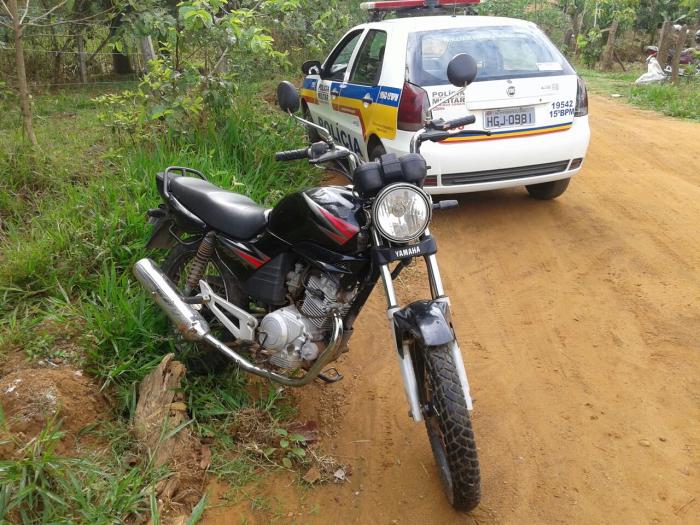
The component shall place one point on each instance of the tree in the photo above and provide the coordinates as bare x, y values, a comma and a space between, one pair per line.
19, 20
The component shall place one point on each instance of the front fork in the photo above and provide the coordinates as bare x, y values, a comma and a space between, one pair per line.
403, 353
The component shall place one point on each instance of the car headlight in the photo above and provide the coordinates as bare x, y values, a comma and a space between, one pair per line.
402, 212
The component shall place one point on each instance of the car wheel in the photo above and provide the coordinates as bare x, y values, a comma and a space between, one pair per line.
548, 190
312, 133
376, 152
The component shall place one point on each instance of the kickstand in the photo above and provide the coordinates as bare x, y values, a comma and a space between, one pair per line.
330, 375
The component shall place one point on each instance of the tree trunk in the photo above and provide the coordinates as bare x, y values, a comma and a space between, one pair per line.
680, 44
122, 64
610, 47
81, 57
24, 97
665, 43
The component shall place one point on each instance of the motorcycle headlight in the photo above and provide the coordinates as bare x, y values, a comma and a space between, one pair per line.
402, 212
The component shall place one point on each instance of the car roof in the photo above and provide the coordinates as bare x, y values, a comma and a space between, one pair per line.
428, 23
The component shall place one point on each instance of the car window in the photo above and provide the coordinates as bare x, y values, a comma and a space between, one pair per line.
337, 63
368, 65
500, 52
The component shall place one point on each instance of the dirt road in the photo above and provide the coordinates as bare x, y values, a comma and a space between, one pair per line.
579, 321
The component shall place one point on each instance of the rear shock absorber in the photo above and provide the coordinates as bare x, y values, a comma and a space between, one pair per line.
204, 253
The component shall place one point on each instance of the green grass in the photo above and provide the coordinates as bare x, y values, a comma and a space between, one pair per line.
682, 100
73, 225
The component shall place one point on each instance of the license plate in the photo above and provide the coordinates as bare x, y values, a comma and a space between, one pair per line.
509, 118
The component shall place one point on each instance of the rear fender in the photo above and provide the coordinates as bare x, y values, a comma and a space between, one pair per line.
429, 323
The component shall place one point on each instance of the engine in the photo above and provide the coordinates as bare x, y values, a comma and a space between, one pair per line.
292, 335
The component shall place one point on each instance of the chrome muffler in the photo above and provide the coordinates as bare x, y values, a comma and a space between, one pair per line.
194, 327
188, 321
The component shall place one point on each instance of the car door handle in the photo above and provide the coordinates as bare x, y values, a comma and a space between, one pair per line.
367, 99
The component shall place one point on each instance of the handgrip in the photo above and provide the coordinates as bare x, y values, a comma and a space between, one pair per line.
458, 122
295, 154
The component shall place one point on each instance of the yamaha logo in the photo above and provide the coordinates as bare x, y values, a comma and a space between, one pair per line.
511, 91
408, 252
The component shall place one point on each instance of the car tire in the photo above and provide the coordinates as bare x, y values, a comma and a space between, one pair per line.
311, 132
548, 190
376, 152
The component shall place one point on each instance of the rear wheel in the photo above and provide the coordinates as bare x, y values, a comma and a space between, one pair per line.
449, 429
200, 357
548, 190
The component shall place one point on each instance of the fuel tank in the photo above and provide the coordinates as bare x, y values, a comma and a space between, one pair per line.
330, 216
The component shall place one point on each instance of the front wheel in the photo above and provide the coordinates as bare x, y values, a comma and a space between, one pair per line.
450, 429
548, 190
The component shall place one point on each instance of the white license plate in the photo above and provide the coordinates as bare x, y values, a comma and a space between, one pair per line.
509, 118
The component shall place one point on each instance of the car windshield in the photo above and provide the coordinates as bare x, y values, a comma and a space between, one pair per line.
500, 52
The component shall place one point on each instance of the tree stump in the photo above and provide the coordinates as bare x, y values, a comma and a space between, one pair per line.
678, 50
159, 412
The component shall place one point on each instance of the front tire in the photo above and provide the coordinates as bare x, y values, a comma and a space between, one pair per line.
548, 190
449, 429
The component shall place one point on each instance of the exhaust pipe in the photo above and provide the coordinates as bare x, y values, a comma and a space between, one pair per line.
194, 327
186, 319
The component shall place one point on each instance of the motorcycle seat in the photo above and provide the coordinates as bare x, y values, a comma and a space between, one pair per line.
228, 212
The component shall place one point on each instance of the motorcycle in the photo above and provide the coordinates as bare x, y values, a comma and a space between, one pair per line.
277, 291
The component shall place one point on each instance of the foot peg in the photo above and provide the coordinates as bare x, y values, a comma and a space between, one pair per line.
330, 375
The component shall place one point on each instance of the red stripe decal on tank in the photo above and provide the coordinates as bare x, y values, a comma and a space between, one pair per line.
344, 228
253, 261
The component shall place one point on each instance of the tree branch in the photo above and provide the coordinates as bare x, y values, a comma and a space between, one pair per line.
24, 15
57, 6
6, 8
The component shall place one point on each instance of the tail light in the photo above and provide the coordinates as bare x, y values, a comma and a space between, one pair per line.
581, 99
413, 108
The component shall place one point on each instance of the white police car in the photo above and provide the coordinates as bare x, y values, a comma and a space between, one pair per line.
375, 88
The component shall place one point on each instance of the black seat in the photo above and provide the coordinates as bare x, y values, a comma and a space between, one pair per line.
231, 213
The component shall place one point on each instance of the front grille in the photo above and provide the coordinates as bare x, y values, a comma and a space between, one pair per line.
453, 179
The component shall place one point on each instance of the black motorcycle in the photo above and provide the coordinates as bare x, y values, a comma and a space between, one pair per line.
277, 291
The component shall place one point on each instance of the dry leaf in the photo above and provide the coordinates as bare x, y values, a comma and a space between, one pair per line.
312, 475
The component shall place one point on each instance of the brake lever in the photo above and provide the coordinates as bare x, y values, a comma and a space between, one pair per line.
330, 156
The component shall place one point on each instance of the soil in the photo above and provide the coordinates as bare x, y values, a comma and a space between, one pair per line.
32, 397
578, 320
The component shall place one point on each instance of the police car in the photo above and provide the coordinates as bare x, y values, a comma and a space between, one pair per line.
378, 84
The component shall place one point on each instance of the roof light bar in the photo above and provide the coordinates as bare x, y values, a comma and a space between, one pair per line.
389, 5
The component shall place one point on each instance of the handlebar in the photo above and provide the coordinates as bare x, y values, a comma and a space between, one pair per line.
442, 125
295, 154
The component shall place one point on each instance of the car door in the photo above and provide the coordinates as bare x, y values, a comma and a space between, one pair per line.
358, 100
328, 83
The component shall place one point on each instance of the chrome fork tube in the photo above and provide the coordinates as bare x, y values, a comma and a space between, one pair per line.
408, 373
436, 286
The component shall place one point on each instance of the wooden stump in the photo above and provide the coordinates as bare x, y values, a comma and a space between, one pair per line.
160, 412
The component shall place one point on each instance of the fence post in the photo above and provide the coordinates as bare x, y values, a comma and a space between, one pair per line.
680, 42
664, 43
147, 50
81, 57
610, 47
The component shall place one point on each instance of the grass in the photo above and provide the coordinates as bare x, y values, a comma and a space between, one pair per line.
682, 100
72, 226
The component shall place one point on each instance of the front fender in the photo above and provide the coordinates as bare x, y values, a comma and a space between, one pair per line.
428, 322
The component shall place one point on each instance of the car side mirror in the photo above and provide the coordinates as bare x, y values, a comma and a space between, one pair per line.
311, 67
462, 69
288, 97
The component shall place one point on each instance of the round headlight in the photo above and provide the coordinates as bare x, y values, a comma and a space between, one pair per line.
402, 212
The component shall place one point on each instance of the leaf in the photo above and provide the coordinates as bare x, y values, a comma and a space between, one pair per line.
287, 462
197, 511
284, 443
298, 451
281, 431
269, 451
312, 476
297, 438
